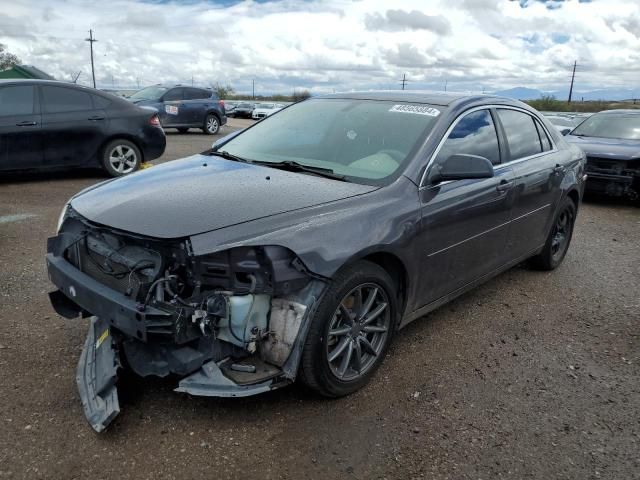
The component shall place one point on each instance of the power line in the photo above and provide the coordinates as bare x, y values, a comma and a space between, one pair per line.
91, 40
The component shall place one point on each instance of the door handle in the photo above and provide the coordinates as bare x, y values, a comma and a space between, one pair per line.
505, 185
95, 118
26, 123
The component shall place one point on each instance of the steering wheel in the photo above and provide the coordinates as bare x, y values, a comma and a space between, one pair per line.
397, 155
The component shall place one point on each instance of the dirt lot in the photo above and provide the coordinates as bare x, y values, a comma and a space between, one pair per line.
533, 375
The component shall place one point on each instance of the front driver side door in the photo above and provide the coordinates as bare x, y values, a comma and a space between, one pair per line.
464, 225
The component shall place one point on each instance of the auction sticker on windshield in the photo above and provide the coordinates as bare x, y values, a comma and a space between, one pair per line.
417, 109
171, 109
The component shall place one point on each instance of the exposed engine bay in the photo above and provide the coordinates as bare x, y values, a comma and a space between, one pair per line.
616, 178
228, 320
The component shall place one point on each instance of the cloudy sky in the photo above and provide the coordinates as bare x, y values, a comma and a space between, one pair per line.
326, 45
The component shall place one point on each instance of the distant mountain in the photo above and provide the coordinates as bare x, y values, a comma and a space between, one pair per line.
608, 94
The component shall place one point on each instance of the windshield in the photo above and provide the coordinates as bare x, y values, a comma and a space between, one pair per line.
149, 93
268, 106
607, 125
245, 105
367, 141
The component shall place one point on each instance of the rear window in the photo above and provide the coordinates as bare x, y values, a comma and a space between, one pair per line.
521, 132
196, 94
62, 99
16, 100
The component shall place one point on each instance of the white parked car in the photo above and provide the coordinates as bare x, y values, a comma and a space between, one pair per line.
265, 109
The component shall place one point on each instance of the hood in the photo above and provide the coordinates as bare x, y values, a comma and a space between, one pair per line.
202, 193
613, 148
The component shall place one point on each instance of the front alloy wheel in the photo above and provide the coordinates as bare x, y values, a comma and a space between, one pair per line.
350, 331
358, 331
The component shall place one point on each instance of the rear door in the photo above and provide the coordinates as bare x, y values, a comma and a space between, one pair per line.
538, 173
465, 222
197, 102
20, 128
173, 112
73, 129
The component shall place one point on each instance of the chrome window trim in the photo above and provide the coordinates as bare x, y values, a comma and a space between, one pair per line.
554, 148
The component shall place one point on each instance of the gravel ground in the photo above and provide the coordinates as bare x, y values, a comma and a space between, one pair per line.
533, 375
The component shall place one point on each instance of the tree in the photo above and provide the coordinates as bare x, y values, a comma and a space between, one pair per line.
7, 60
223, 91
299, 95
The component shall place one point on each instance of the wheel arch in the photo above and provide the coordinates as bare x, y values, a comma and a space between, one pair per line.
574, 195
395, 267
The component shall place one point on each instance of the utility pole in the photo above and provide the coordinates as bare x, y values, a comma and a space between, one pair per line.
404, 80
192, 80
253, 89
445, 85
91, 40
573, 76
138, 82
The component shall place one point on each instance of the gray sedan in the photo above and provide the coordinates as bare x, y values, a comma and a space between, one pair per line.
298, 247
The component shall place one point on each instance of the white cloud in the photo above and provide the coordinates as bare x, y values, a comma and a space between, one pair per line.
331, 44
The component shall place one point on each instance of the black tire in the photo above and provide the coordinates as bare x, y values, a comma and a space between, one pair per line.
126, 152
211, 124
183, 130
316, 370
559, 238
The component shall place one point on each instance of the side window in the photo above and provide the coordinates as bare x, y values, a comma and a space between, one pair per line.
544, 138
61, 99
173, 95
474, 134
521, 132
16, 100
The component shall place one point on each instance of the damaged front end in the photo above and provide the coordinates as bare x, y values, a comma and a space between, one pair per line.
230, 323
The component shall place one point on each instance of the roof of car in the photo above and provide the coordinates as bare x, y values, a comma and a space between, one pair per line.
33, 80
621, 110
415, 96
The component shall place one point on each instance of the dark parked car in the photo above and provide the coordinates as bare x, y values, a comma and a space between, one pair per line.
48, 124
184, 107
297, 247
229, 108
611, 140
243, 110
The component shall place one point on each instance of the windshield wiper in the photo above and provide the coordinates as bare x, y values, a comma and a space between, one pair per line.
227, 156
292, 166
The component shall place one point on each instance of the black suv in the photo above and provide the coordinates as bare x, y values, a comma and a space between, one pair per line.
184, 107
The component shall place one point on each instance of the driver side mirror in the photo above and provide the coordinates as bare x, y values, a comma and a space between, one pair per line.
462, 166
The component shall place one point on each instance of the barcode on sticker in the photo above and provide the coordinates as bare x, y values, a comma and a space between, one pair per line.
417, 109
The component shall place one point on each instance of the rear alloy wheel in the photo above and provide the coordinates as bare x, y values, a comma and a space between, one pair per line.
559, 238
121, 157
211, 124
350, 331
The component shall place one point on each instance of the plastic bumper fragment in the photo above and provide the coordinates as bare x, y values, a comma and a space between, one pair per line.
209, 381
96, 376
